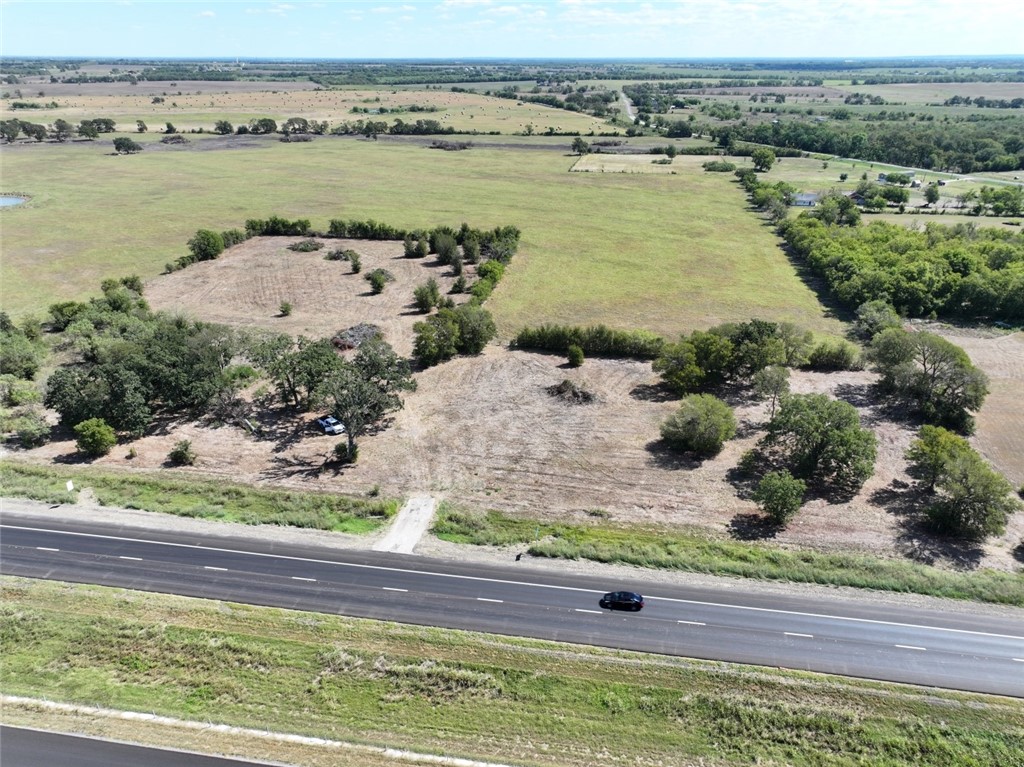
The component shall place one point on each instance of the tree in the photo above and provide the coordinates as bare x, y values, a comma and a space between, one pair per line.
10, 130
772, 384
701, 425
821, 440
575, 356
973, 501
87, 129
378, 278
182, 453
931, 194
169, 128
295, 125
875, 316
932, 452
206, 245
932, 372
124, 145
763, 159
296, 367
223, 127
262, 125
140, 126
780, 495
580, 147
95, 437
361, 393
62, 130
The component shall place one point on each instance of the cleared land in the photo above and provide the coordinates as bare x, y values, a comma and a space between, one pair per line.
494, 698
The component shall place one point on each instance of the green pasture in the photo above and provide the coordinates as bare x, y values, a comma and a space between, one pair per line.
665, 253
457, 693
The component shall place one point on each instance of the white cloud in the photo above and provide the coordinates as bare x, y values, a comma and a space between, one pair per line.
207, 14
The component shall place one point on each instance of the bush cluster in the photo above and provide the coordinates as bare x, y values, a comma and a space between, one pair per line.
464, 329
960, 271
306, 246
595, 340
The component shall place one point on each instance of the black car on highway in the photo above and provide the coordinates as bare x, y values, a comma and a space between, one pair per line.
622, 600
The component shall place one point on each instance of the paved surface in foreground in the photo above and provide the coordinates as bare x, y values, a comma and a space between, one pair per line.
926, 647
35, 748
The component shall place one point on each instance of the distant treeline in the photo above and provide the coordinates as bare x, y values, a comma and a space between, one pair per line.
959, 146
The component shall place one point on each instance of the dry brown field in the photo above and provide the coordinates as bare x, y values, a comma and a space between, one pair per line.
483, 432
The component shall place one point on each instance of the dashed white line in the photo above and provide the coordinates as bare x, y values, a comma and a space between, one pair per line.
297, 578
592, 612
692, 623
388, 588
485, 599
1019, 660
456, 576
133, 559
808, 636
221, 569
909, 647
44, 548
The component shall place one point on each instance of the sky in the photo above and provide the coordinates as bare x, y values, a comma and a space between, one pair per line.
446, 29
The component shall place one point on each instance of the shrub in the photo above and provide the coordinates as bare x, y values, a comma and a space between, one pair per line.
835, 355
595, 340
445, 247
345, 454
459, 286
182, 454
206, 245
356, 261
32, 430
780, 494
575, 355
95, 437
379, 278
286, 308
701, 425
339, 255
719, 166
427, 295
306, 246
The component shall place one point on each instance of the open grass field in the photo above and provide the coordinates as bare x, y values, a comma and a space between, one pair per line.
195, 105
666, 253
496, 698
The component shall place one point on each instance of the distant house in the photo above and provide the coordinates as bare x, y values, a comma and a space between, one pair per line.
857, 198
806, 199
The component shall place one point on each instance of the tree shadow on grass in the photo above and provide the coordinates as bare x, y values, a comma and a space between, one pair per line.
748, 526
917, 538
285, 467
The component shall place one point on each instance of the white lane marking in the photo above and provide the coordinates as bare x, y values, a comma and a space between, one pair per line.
485, 599
44, 548
220, 569
388, 588
297, 578
592, 612
1019, 660
909, 647
133, 559
794, 634
692, 623
506, 582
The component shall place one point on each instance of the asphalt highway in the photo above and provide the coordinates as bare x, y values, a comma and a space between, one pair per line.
35, 748
946, 649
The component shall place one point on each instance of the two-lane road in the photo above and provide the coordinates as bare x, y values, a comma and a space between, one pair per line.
959, 651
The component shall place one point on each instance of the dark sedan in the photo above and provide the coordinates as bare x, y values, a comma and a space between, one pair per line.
622, 600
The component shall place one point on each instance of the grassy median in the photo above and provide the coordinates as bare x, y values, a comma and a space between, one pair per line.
495, 698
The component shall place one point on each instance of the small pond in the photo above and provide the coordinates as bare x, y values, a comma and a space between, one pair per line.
7, 200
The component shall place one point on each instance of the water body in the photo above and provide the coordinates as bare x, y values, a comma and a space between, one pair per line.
7, 201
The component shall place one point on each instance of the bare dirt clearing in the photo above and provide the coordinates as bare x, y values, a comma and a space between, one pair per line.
246, 286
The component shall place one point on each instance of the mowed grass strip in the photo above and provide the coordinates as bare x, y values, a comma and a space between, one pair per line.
665, 253
467, 694
675, 549
202, 499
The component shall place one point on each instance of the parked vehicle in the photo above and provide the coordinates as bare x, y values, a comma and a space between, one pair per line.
622, 600
330, 425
